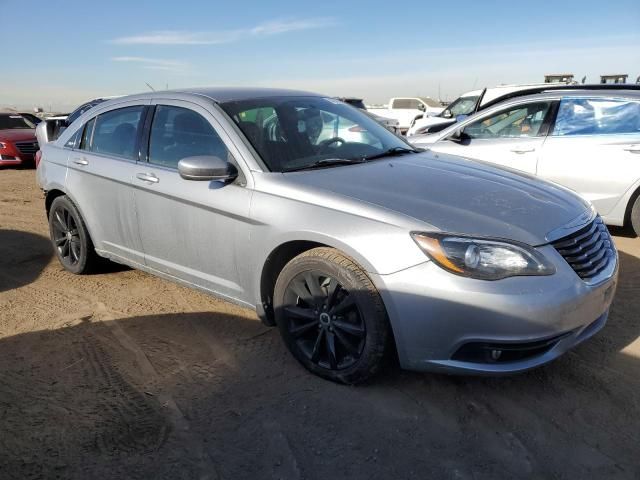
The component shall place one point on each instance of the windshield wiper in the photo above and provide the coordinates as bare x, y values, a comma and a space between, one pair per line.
326, 162
392, 152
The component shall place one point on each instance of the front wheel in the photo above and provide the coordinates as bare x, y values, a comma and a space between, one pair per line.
635, 216
331, 316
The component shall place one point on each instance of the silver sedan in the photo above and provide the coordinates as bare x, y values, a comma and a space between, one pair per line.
356, 248
587, 140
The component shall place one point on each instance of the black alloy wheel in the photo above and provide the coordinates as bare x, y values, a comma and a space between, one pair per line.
325, 321
331, 316
65, 236
70, 237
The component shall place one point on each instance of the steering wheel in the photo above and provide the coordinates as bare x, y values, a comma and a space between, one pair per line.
324, 144
484, 131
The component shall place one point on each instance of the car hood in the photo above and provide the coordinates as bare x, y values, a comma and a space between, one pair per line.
17, 134
455, 195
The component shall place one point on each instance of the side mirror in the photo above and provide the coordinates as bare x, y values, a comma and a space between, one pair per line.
458, 136
447, 113
207, 167
421, 107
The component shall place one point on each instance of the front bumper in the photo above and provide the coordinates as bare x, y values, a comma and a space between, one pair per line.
434, 314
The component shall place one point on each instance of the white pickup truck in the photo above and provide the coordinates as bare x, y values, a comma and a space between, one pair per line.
406, 109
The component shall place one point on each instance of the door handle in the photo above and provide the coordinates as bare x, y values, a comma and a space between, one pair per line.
633, 149
147, 177
80, 161
523, 150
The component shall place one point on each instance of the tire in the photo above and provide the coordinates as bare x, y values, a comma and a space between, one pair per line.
635, 216
70, 237
331, 317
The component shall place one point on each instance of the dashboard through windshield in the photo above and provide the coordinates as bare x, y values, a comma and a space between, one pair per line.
291, 133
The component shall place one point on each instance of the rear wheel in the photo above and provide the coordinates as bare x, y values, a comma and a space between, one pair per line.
331, 317
71, 241
635, 216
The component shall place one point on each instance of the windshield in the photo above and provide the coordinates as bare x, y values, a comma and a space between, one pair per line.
10, 122
291, 133
461, 106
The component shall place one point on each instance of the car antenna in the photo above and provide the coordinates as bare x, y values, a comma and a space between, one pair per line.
152, 89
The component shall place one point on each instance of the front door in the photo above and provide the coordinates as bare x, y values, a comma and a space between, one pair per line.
190, 229
511, 137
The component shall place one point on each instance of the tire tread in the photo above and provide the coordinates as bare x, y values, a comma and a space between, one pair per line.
366, 370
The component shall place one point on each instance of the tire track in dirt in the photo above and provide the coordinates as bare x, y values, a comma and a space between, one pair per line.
190, 441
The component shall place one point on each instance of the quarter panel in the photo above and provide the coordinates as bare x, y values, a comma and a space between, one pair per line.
52, 170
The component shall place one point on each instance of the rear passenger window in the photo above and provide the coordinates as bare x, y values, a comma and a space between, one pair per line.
597, 116
116, 132
87, 133
73, 142
178, 133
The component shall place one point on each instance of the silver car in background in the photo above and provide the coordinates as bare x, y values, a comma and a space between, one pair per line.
586, 140
355, 248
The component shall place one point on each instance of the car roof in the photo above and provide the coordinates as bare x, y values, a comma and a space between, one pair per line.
579, 92
225, 94
564, 90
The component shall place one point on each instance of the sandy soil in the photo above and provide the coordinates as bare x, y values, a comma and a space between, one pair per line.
123, 375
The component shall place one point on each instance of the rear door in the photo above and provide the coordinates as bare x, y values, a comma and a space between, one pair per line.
511, 136
594, 149
190, 229
100, 172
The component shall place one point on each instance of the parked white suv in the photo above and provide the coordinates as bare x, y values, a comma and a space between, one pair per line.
470, 102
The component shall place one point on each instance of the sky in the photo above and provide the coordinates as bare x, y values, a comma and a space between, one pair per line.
57, 54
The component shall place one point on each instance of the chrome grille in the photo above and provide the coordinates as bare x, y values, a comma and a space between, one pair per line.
27, 148
588, 250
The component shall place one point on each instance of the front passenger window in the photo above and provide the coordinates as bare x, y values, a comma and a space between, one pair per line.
178, 133
520, 121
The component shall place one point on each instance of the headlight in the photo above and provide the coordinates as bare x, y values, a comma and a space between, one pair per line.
482, 258
3, 146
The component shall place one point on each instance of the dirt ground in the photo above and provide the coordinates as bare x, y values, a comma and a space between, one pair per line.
122, 375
